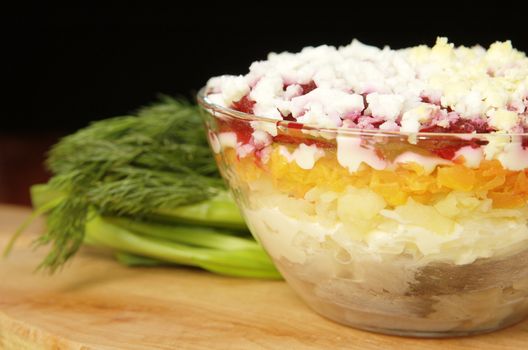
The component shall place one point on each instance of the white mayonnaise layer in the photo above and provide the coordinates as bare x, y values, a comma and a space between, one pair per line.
429, 164
305, 156
351, 153
458, 229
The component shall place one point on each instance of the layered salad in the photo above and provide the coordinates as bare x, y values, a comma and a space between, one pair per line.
389, 186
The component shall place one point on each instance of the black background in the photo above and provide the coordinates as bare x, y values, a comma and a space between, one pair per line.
68, 65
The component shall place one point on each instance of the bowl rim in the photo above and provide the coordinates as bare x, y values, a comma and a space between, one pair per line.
202, 99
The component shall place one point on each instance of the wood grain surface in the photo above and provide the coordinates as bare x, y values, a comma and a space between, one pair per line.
94, 303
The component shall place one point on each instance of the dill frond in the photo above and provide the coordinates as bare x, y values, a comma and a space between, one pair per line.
130, 165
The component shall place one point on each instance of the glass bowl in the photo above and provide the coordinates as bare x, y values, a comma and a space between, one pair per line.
409, 234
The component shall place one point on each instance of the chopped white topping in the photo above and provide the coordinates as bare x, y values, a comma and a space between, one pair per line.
385, 105
502, 119
234, 89
326, 107
264, 94
412, 119
267, 88
292, 91
519, 100
470, 105
217, 99
268, 111
389, 125
230, 88
471, 82
514, 156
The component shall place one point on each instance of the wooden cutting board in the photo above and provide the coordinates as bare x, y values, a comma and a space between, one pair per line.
94, 303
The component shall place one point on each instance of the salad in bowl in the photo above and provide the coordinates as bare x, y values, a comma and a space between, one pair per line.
389, 187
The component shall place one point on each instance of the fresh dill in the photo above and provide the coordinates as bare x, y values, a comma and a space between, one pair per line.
131, 165
147, 187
